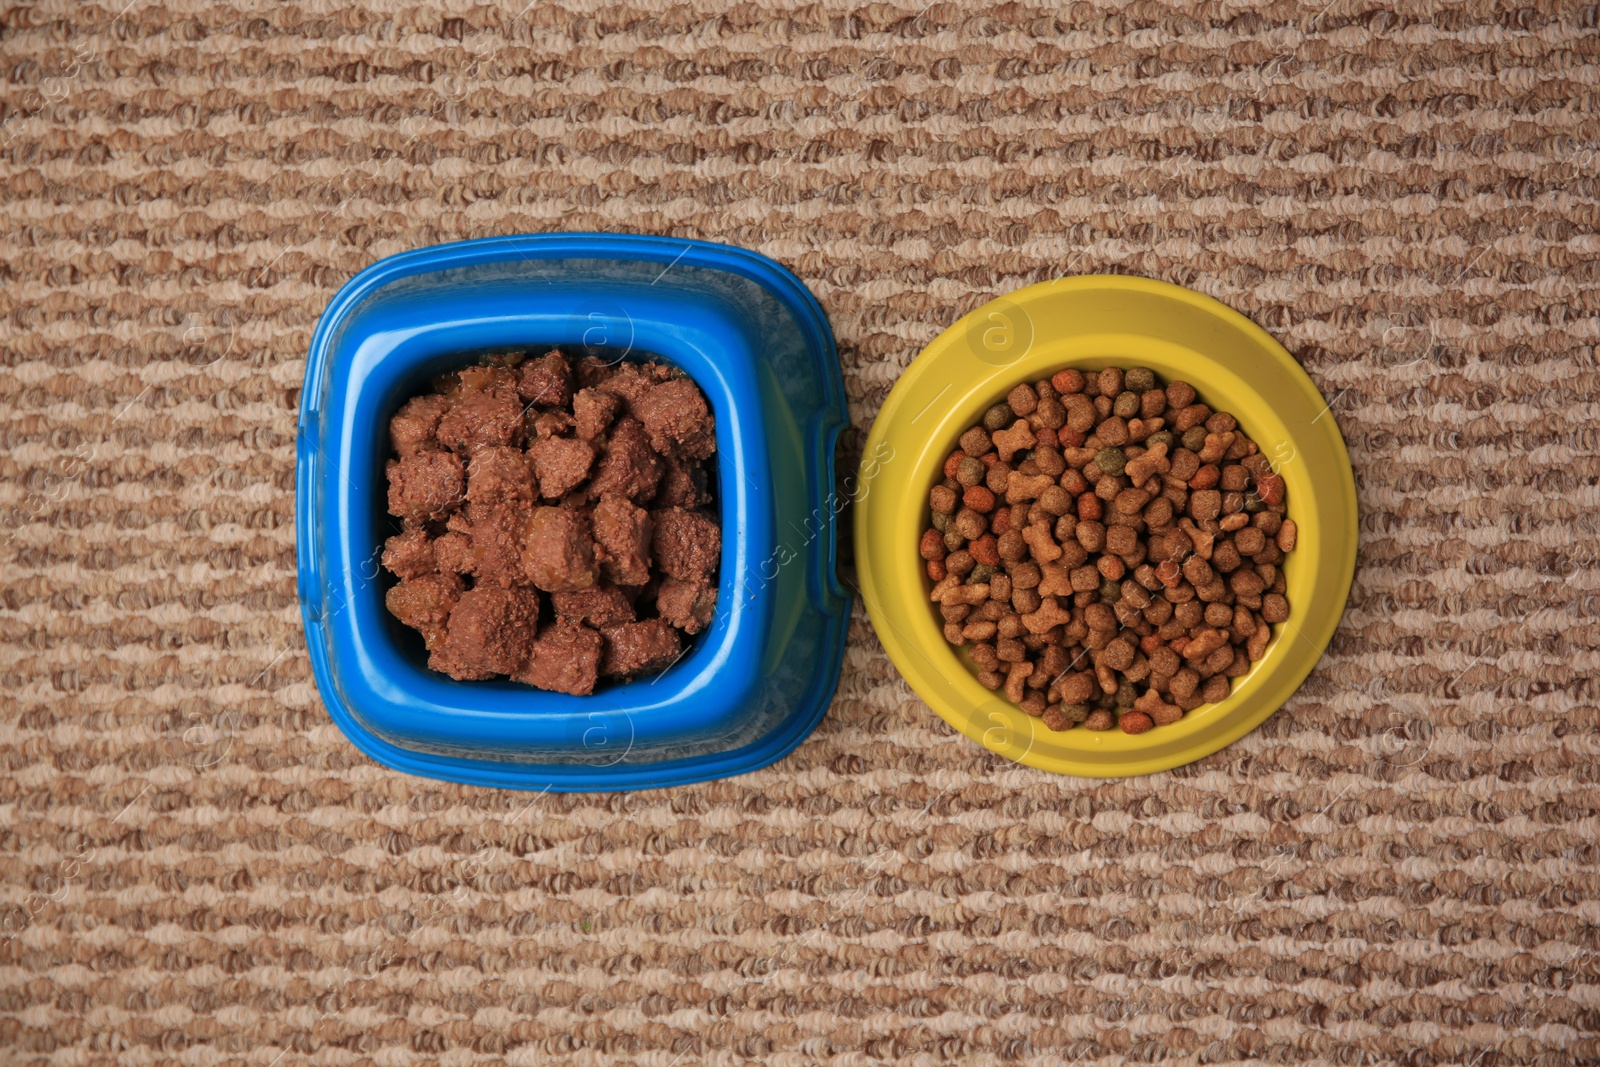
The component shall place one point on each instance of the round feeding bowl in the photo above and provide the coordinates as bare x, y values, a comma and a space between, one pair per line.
749, 688
1092, 322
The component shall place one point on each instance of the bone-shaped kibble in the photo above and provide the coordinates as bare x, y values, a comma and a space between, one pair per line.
1049, 615
1023, 487
1045, 549
1019, 438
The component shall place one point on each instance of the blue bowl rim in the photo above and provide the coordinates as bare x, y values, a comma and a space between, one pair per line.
770, 275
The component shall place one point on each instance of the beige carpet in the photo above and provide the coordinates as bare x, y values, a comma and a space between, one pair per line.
1400, 867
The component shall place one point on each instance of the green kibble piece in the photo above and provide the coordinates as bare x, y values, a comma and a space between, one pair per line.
1075, 713
1105, 701
1194, 438
1126, 406
1110, 591
1164, 437
970, 471
942, 520
1139, 379
1125, 695
999, 417
981, 573
1253, 503
1111, 460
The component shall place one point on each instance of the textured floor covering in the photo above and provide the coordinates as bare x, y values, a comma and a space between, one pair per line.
1401, 867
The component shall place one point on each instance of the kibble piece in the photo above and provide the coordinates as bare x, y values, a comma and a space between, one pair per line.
1022, 400
975, 442
1067, 381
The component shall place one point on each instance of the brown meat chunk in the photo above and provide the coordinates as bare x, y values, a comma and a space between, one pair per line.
499, 475
639, 647
452, 552
546, 381
604, 605
591, 371
482, 418
686, 544
561, 463
415, 427
593, 411
683, 484
631, 467
425, 603
558, 553
425, 486
564, 659
690, 606
630, 381
409, 554
490, 631
550, 424
498, 534
622, 536
677, 419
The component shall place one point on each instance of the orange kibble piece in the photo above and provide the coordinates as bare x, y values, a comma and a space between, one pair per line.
1270, 488
1001, 522
1067, 381
1089, 508
1206, 477
978, 498
952, 463
1070, 438
936, 570
986, 550
1149, 643
1135, 722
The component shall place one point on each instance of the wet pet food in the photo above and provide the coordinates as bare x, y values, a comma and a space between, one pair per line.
556, 518
1108, 550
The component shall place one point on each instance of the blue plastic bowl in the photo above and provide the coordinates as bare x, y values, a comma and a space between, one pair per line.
757, 681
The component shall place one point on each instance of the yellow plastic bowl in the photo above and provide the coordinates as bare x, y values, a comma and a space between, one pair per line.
1091, 322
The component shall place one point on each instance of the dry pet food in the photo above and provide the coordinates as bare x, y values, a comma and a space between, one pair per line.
1108, 549
556, 520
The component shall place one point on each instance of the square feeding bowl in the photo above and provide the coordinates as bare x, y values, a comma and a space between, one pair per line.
749, 688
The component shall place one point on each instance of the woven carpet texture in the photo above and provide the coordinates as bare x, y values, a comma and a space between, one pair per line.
1400, 867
